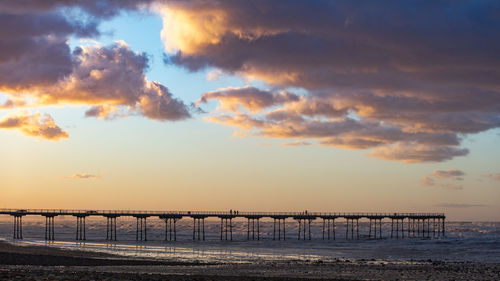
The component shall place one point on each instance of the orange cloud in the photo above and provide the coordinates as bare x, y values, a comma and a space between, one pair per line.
296, 143
286, 115
416, 153
34, 125
84, 176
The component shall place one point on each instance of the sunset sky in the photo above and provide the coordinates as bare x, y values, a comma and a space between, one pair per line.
251, 105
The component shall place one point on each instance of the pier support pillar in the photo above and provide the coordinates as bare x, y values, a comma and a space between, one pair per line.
49, 228
370, 229
251, 229
80, 228
280, 232
18, 227
170, 228
409, 227
443, 228
328, 228
428, 227
423, 228
374, 228
305, 227
111, 228
433, 227
380, 228
141, 233
400, 227
199, 228
351, 226
226, 228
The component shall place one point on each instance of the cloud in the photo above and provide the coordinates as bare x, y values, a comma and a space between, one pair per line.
416, 153
435, 75
282, 114
451, 173
493, 176
38, 67
451, 186
427, 181
250, 98
102, 111
33, 125
460, 206
112, 80
296, 143
34, 50
214, 75
96, 8
111, 77
437, 177
84, 176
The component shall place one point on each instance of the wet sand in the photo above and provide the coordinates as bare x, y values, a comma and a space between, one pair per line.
47, 263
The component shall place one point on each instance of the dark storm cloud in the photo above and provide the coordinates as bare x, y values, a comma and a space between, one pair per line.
423, 66
34, 48
98, 8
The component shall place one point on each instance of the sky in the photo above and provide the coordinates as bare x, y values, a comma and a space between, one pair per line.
331, 106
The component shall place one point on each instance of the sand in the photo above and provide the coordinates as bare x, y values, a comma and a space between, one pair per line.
48, 263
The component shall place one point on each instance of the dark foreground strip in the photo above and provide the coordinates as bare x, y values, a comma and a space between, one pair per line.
26, 274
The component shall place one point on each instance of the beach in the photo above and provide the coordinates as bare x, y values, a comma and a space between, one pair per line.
49, 263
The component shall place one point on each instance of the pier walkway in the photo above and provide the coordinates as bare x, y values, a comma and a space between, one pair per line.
403, 225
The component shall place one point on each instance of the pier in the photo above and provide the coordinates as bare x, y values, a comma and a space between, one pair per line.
403, 225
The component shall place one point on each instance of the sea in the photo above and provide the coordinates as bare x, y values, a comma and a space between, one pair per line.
463, 241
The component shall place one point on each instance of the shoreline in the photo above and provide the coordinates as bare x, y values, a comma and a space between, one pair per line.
45, 262
11, 254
